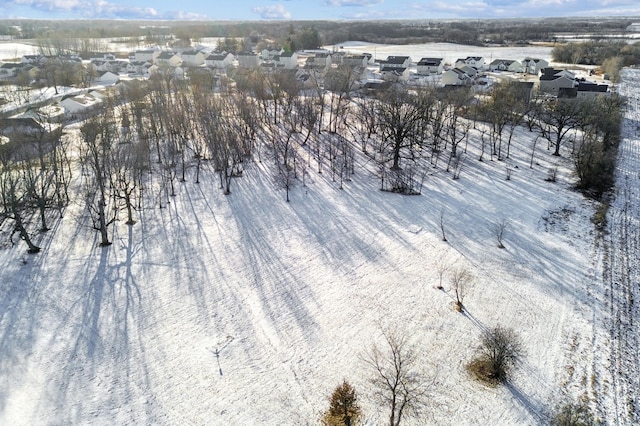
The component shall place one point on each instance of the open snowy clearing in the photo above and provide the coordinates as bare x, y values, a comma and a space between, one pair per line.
245, 309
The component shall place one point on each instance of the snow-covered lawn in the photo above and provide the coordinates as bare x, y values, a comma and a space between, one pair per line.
245, 309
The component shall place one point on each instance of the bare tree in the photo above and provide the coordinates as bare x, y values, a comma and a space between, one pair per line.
442, 266
99, 136
399, 118
14, 197
442, 231
556, 119
499, 228
398, 384
461, 280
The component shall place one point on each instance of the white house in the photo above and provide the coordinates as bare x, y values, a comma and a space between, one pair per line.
534, 65
146, 55
79, 104
248, 60
428, 66
219, 60
318, 63
170, 59
396, 62
394, 74
456, 77
476, 62
10, 69
289, 60
138, 67
31, 59
106, 78
552, 80
505, 65
102, 56
269, 52
193, 58
356, 61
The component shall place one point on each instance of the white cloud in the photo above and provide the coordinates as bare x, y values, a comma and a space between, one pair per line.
357, 3
277, 11
52, 5
103, 9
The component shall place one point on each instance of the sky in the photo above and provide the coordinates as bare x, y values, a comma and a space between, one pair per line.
312, 9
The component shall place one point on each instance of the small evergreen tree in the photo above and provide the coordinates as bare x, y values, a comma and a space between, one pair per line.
344, 409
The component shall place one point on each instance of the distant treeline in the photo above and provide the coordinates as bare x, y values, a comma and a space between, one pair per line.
597, 52
471, 32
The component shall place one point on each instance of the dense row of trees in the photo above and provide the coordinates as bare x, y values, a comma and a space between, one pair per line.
155, 134
331, 32
612, 56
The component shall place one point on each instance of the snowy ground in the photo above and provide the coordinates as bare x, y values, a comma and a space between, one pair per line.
245, 309
616, 302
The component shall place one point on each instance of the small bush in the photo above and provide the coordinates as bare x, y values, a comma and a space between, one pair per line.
499, 352
599, 218
573, 414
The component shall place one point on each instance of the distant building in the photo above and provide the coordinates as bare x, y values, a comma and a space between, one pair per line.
427, 66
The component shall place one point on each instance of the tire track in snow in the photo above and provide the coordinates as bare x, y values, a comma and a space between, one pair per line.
617, 357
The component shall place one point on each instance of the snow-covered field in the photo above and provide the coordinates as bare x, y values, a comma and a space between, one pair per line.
13, 50
245, 309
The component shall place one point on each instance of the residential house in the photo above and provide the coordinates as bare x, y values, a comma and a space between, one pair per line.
248, 60
360, 61
427, 66
102, 56
374, 86
476, 62
457, 77
10, 69
171, 59
31, 59
394, 74
114, 66
17, 126
193, 58
139, 68
220, 60
106, 78
289, 60
505, 65
534, 65
590, 90
552, 80
147, 55
318, 64
396, 62
79, 104
337, 57
269, 52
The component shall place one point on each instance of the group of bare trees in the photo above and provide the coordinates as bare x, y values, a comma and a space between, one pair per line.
34, 181
155, 134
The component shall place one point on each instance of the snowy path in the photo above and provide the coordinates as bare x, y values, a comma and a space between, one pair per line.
617, 383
